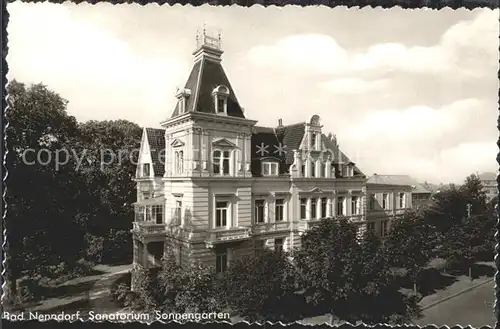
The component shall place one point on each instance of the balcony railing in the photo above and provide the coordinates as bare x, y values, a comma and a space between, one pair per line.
218, 236
271, 227
149, 228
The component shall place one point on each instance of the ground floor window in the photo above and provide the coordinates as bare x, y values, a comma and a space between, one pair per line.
221, 261
278, 244
384, 228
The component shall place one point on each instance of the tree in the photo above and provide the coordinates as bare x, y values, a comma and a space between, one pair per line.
190, 289
448, 207
108, 152
39, 199
408, 245
474, 193
261, 287
327, 265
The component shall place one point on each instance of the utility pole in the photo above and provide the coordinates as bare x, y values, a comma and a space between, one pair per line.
469, 206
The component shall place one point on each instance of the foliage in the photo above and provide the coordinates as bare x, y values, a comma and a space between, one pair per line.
261, 287
52, 208
190, 289
327, 265
408, 245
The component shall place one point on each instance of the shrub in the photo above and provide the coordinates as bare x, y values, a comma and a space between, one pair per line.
93, 248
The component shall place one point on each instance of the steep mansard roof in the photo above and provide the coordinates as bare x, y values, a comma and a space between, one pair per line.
156, 141
205, 76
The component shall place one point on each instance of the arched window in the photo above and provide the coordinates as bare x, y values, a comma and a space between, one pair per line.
179, 162
313, 169
313, 141
220, 161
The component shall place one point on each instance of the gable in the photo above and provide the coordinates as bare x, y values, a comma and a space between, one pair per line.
177, 143
224, 143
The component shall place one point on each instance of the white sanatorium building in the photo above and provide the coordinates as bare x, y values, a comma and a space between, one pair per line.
215, 186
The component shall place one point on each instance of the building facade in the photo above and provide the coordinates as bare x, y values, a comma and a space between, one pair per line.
490, 186
214, 186
418, 194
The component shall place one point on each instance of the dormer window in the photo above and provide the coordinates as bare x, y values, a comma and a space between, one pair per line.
270, 168
313, 141
182, 95
220, 94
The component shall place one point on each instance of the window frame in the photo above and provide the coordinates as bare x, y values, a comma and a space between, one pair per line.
260, 206
221, 261
279, 209
385, 201
324, 207
372, 201
220, 161
222, 221
341, 206
267, 168
314, 208
402, 200
313, 141
354, 205
281, 245
303, 208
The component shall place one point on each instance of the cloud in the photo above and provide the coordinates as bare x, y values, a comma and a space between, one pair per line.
462, 44
85, 63
438, 144
354, 85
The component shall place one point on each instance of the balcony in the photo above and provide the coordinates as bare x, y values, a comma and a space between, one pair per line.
305, 225
227, 235
271, 227
149, 230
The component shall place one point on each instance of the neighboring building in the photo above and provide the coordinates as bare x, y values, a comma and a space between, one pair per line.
489, 181
418, 196
386, 201
215, 186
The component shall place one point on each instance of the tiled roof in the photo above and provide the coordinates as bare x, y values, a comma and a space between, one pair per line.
156, 140
290, 136
486, 176
267, 137
398, 180
205, 76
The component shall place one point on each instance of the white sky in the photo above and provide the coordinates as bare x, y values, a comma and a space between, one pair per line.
406, 91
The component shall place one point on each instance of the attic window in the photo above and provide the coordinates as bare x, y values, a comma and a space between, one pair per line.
220, 94
270, 168
182, 95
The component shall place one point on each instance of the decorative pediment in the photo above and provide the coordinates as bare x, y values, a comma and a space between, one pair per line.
224, 143
177, 143
316, 190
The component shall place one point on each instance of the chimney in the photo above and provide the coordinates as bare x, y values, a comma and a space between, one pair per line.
280, 129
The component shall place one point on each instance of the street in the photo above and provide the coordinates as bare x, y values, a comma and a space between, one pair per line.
473, 308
